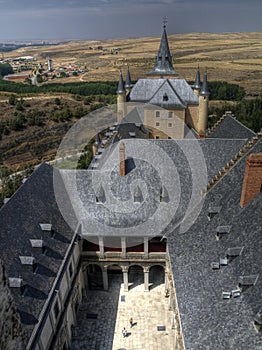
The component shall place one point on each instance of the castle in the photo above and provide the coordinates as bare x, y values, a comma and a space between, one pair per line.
198, 218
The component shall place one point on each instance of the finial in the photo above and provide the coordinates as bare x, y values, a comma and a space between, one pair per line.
164, 21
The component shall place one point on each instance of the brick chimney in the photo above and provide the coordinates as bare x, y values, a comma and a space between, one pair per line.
201, 134
122, 159
252, 183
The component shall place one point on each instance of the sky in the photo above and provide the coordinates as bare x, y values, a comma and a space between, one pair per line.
108, 19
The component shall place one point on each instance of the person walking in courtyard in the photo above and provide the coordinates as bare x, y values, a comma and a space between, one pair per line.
124, 332
131, 322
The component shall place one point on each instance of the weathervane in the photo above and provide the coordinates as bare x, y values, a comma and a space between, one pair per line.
164, 21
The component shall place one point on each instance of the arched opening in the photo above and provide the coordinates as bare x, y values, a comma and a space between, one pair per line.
135, 276
115, 276
156, 276
95, 277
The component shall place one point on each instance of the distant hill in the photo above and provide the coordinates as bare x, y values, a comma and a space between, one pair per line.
232, 57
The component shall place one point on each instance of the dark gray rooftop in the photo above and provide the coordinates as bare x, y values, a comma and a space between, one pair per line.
208, 320
22, 241
232, 128
178, 92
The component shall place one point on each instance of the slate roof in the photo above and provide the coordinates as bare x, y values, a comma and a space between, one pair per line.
20, 219
232, 128
152, 91
163, 64
150, 164
208, 320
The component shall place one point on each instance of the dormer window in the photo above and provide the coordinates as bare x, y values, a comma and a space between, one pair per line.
165, 97
221, 231
212, 211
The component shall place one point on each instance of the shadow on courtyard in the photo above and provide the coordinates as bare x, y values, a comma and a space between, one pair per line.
96, 317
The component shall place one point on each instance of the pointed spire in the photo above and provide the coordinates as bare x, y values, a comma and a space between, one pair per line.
197, 84
121, 88
128, 83
97, 141
204, 89
163, 63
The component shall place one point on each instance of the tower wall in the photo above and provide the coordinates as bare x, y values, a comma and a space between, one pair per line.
202, 113
121, 106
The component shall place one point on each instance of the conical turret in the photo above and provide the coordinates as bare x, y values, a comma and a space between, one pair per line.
121, 99
204, 90
197, 83
128, 84
121, 87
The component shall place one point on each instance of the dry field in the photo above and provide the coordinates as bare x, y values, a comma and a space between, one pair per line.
233, 57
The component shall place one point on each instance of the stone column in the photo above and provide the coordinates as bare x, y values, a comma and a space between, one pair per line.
105, 278
123, 247
166, 281
146, 247
101, 247
125, 274
146, 278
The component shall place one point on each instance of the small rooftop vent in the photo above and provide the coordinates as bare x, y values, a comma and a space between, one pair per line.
226, 295
27, 260
215, 265
247, 281
15, 282
164, 197
223, 261
138, 196
232, 253
37, 243
100, 195
258, 321
46, 227
221, 230
212, 211
236, 293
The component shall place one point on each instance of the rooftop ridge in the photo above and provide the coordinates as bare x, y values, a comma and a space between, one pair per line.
243, 150
217, 123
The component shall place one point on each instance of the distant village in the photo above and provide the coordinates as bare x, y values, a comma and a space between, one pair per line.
27, 67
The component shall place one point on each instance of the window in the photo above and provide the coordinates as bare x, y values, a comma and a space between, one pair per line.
157, 114
170, 125
157, 137
70, 270
170, 114
157, 124
165, 97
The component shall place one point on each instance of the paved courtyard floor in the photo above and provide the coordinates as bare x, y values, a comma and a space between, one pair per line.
103, 314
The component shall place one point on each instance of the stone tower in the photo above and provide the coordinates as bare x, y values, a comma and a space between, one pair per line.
203, 106
121, 99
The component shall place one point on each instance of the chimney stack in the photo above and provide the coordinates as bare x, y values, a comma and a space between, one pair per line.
122, 159
252, 183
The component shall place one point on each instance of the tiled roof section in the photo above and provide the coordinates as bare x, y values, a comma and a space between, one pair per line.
147, 90
232, 128
166, 96
207, 320
20, 233
118, 190
163, 63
